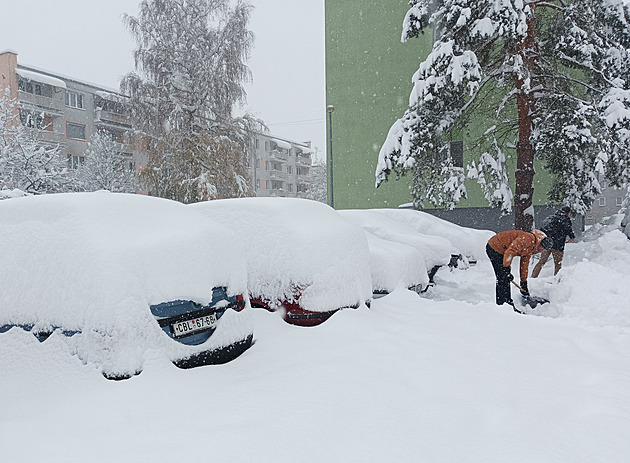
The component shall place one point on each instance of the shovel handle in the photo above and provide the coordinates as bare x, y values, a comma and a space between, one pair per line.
517, 285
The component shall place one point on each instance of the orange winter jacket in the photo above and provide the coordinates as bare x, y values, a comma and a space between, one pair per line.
513, 243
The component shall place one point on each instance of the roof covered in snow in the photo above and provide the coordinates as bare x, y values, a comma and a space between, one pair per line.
42, 78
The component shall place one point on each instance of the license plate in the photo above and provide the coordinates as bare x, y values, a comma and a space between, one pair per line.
187, 327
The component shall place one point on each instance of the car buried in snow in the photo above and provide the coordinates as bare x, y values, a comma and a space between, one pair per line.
434, 251
303, 260
119, 276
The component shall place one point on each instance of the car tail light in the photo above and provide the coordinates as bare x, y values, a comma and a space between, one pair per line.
240, 303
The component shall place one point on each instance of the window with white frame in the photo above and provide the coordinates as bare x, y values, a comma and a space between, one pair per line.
602, 201
619, 201
75, 161
74, 99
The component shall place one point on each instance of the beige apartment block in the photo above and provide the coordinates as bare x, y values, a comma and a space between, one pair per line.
66, 111
279, 167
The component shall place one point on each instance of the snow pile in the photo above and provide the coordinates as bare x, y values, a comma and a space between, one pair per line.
435, 250
14, 193
297, 244
95, 262
592, 284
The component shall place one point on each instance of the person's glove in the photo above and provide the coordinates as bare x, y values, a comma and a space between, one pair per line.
524, 288
510, 277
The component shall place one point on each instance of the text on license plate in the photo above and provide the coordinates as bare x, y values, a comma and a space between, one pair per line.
187, 327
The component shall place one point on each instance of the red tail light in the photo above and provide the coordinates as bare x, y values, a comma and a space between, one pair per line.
240, 302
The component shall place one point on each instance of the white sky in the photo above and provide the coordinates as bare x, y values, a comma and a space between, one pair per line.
85, 39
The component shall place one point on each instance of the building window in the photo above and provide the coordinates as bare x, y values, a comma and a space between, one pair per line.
290, 186
299, 170
289, 170
256, 143
76, 131
75, 161
457, 153
276, 185
619, 201
258, 184
266, 165
74, 99
602, 201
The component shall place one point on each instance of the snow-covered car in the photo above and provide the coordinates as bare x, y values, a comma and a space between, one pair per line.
469, 244
120, 276
434, 251
303, 259
394, 265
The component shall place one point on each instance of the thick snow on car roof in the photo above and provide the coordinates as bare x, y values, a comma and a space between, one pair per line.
434, 249
467, 241
98, 260
292, 241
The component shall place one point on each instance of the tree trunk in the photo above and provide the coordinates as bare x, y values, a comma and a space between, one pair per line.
524, 192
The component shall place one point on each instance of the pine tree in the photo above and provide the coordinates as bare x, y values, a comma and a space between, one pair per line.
26, 161
190, 71
548, 78
105, 168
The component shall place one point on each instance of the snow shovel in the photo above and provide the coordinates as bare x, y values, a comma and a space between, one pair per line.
532, 301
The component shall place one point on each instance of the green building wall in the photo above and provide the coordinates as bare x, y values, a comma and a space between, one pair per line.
368, 82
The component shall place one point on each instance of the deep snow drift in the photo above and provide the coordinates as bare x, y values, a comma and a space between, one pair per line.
447, 377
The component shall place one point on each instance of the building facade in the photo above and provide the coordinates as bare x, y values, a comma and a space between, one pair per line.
68, 112
368, 82
279, 167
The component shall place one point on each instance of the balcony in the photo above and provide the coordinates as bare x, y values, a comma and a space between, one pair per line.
279, 154
277, 174
303, 160
41, 103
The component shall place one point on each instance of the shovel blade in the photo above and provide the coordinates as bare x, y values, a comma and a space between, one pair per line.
534, 301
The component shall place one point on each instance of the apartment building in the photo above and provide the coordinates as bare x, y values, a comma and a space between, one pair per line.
278, 167
67, 111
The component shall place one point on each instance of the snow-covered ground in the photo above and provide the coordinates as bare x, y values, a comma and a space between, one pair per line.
446, 377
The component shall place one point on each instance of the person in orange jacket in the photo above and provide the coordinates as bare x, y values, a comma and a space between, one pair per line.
503, 247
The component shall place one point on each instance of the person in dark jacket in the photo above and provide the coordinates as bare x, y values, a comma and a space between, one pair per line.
557, 227
503, 247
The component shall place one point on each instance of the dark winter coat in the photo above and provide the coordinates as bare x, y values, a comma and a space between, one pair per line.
557, 227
